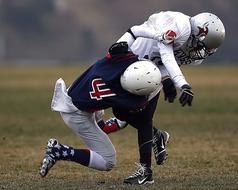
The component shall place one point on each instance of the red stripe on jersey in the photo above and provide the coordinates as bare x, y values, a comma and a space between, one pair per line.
122, 58
108, 56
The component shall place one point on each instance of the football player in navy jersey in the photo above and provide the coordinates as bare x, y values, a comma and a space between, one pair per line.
169, 39
118, 80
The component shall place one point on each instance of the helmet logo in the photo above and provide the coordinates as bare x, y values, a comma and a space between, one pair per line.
203, 30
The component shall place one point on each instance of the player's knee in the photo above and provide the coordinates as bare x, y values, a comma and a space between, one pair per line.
111, 161
110, 164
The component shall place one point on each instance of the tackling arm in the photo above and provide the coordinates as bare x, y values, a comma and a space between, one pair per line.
139, 31
147, 32
168, 59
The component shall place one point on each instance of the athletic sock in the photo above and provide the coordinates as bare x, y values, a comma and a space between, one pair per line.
63, 152
84, 157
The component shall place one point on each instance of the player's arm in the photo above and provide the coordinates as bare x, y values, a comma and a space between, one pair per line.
135, 32
169, 89
127, 37
145, 32
168, 59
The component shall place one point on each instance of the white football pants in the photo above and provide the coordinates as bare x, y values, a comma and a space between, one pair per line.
102, 151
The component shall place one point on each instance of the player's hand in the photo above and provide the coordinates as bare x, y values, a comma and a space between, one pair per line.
186, 96
118, 48
169, 89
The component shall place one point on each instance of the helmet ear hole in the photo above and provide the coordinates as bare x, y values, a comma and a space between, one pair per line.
141, 78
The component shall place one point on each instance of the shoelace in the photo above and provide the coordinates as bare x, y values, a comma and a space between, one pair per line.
139, 171
155, 138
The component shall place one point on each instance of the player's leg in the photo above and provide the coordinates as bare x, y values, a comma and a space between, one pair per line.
143, 122
160, 137
85, 126
56, 151
143, 174
101, 153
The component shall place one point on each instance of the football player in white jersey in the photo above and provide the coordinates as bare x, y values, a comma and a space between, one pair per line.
169, 39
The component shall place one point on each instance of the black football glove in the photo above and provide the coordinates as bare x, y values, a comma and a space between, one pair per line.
186, 96
169, 89
118, 48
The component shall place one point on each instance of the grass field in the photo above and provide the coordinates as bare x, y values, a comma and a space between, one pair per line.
203, 151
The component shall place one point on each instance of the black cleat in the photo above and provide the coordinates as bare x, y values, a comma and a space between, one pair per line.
160, 140
143, 175
50, 157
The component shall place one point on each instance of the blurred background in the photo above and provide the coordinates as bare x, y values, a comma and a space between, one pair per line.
69, 35
69, 31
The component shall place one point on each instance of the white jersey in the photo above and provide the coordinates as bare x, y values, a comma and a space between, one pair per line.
147, 42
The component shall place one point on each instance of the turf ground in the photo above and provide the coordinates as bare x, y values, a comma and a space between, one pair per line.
203, 151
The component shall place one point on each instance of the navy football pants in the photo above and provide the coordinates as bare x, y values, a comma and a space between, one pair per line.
143, 122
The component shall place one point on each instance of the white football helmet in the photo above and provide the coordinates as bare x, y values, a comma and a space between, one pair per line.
207, 33
141, 78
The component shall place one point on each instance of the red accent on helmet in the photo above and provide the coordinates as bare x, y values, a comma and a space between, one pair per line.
202, 31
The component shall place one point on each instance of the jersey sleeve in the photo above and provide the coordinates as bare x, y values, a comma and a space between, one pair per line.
127, 37
134, 34
168, 59
163, 71
137, 31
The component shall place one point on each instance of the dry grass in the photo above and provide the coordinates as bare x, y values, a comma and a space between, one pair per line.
203, 151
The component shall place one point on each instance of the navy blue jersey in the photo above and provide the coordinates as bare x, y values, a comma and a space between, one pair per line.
99, 86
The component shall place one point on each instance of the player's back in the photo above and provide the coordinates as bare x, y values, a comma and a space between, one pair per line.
99, 86
162, 22
170, 20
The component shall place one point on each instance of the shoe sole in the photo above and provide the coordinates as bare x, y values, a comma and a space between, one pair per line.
161, 162
147, 182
